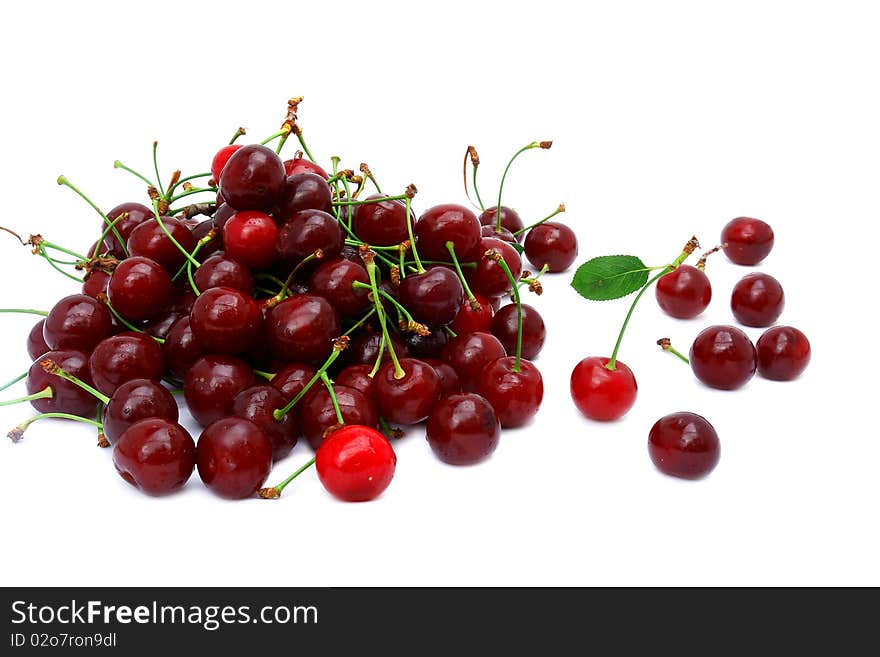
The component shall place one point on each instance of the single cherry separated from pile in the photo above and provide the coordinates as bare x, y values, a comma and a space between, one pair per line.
289, 302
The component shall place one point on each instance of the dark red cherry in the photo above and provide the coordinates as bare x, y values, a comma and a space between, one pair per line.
95, 283
123, 357
225, 321
221, 158
212, 383
181, 349
468, 354
747, 241
222, 214
409, 399
552, 244
684, 445
449, 379
302, 165
220, 270
489, 278
250, 237
463, 429
364, 349
150, 241
334, 280
159, 326
139, 289
302, 328
36, 343
133, 401
426, 346
135, 215
292, 378
258, 404
155, 455
447, 223
253, 178
469, 320
317, 415
433, 297
503, 235
504, 327
757, 300
355, 463
510, 219
515, 395
783, 353
684, 292
233, 457
603, 394
723, 357
357, 377
77, 322
382, 223
307, 231
66, 397
304, 191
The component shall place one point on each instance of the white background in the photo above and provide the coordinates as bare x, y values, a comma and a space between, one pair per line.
667, 118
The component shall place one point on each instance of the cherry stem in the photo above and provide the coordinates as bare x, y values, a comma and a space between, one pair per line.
471, 153
27, 311
51, 367
211, 234
379, 353
666, 345
688, 249
281, 133
388, 430
46, 244
45, 393
527, 147
412, 241
368, 174
515, 292
558, 210
41, 251
340, 344
238, 133
62, 180
190, 192
412, 325
532, 280
266, 375
371, 272
156, 168
285, 288
170, 236
330, 391
14, 381
131, 327
370, 201
360, 322
357, 242
119, 165
302, 143
275, 491
111, 227
16, 434
450, 246
187, 179
701, 263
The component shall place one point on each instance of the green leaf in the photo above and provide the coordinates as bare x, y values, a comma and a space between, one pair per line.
610, 277
519, 248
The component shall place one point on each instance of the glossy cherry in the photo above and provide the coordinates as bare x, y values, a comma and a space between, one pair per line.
469, 320
684, 293
221, 158
250, 237
225, 321
747, 241
684, 445
125, 217
155, 455
757, 300
222, 214
334, 280
304, 191
317, 415
212, 383
292, 378
603, 394
552, 244
302, 328
123, 357
302, 165
489, 278
515, 395
233, 457
95, 283
77, 322
139, 289
723, 357
253, 178
409, 399
357, 377
463, 429
181, 349
468, 354
426, 346
307, 231
783, 353
449, 379
447, 223
534, 332
433, 297
510, 219
356, 463
383, 223
67, 397
214, 243
36, 343
221, 270
503, 235
258, 404
364, 349
133, 401
150, 241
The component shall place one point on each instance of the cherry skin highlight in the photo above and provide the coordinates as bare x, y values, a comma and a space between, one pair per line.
723, 357
783, 353
302, 165
356, 463
123, 357
757, 300
602, 394
552, 244
133, 401
463, 429
515, 396
250, 238
233, 457
77, 322
684, 445
684, 293
747, 241
139, 289
155, 455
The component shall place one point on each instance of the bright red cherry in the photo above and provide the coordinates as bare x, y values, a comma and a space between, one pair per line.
447, 223
515, 395
723, 357
155, 455
684, 292
123, 357
253, 178
757, 300
233, 457
505, 328
463, 429
221, 158
684, 445
783, 353
409, 399
552, 244
133, 401
747, 241
469, 320
225, 321
356, 463
382, 223
77, 322
302, 165
250, 237
603, 394
139, 289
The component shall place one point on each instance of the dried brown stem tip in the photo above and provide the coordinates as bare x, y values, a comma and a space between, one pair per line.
492, 253
475, 158
49, 366
102, 441
545, 144
289, 123
206, 209
411, 191
475, 305
187, 186
15, 235
536, 287
16, 434
701, 263
561, 207
418, 329
692, 245
341, 343
365, 169
269, 493
395, 275
153, 193
175, 178
664, 343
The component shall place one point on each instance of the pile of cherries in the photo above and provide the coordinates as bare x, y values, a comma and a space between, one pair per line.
723, 357
293, 304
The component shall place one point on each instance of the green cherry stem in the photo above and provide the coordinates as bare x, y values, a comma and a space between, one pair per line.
119, 165
131, 327
27, 311
195, 176
367, 256
339, 345
558, 210
666, 345
45, 393
688, 249
211, 234
190, 192
360, 322
9, 384
471, 154
411, 324
171, 237
281, 133
51, 367
16, 434
62, 180
156, 168
111, 228
532, 281
274, 492
515, 292
380, 352
40, 251
410, 192
450, 246
527, 147
329, 385
238, 133
266, 375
